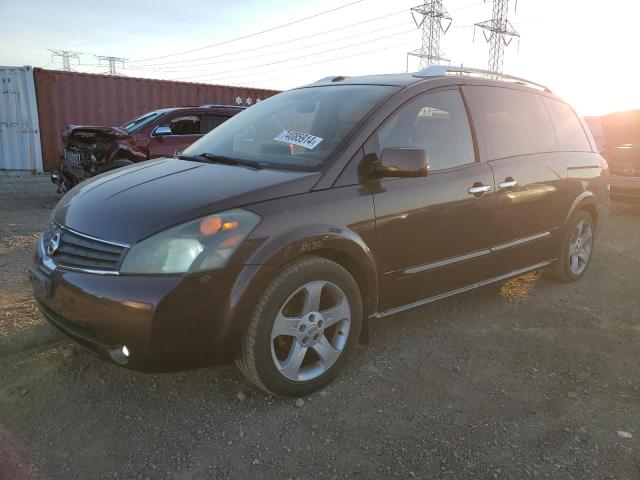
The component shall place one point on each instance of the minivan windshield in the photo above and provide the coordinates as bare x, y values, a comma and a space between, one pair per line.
294, 130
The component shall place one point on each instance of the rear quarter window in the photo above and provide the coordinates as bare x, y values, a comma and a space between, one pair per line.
569, 132
513, 122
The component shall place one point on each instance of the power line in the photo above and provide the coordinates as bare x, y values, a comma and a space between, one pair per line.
91, 70
366, 52
168, 69
250, 35
289, 41
468, 6
298, 56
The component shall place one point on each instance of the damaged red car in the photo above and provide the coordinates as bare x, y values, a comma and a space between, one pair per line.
90, 150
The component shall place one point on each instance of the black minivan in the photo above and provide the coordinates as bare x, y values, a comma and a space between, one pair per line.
273, 239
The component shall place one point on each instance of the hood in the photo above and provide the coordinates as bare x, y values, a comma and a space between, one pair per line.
134, 202
93, 129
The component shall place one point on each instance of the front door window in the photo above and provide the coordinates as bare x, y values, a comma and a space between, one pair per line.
436, 122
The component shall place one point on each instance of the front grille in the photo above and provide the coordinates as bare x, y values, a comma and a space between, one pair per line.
77, 251
72, 156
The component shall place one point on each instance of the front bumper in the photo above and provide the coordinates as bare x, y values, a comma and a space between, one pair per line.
167, 322
625, 187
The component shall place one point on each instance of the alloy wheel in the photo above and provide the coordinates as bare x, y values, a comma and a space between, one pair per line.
310, 331
580, 247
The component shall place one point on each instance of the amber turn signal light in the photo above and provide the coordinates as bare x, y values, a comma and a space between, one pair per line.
229, 225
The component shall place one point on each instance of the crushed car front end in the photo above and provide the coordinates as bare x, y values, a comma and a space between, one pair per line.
90, 150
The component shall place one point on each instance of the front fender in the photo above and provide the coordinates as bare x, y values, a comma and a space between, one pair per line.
127, 151
338, 243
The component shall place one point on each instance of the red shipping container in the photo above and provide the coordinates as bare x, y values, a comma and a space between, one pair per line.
87, 99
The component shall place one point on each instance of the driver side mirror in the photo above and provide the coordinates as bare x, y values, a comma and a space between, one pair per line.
160, 131
402, 162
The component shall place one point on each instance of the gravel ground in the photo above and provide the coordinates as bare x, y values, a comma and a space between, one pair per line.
531, 378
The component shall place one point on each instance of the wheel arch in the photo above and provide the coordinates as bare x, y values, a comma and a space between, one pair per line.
338, 244
587, 202
368, 289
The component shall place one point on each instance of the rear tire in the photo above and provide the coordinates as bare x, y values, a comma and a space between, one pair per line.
575, 250
303, 328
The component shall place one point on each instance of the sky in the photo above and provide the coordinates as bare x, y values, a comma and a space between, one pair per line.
582, 50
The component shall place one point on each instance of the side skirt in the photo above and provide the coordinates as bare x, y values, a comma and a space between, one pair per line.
409, 306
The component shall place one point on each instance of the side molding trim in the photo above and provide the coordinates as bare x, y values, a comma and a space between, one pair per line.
520, 241
419, 303
472, 255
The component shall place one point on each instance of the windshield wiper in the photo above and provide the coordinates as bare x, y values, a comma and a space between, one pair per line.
206, 157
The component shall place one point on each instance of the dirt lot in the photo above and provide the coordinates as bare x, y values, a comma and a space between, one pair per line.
528, 379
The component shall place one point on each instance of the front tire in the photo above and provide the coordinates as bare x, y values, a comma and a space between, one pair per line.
575, 250
303, 328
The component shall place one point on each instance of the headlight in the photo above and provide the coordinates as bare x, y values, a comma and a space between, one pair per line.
203, 244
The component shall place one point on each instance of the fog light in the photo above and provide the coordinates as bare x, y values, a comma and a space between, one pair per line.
120, 355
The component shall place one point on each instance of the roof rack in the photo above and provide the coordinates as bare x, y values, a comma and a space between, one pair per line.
215, 105
331, 78
441, 70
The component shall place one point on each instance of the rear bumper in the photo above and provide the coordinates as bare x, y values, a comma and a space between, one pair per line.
625, 188
166, 322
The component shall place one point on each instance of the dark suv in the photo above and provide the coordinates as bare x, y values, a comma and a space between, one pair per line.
90, 149
273, 239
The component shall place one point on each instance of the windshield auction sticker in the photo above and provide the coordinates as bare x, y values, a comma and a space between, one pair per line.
305, 140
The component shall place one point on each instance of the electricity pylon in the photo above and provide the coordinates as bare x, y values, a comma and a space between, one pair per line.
434, 20
498, 32
66, 56
112, 63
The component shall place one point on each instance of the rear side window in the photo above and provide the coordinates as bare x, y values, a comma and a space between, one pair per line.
436, 122
513, 122
569, 131
209, 122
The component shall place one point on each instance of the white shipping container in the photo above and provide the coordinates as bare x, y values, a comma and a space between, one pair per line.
20, 147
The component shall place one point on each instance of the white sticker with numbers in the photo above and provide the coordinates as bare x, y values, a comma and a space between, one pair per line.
305, 140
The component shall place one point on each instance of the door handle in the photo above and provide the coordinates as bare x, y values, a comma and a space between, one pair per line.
479, 189
508, 183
